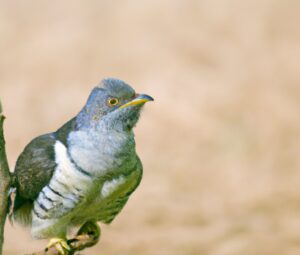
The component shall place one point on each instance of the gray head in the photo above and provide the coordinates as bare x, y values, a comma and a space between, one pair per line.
113, 104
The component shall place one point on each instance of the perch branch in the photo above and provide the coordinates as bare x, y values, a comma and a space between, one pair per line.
81, 241
4, 181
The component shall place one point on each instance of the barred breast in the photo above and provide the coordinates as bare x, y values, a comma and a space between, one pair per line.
66, 191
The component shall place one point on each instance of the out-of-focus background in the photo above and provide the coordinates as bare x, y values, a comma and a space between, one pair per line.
221, 143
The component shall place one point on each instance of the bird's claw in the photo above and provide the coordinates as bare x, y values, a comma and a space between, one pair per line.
60, 245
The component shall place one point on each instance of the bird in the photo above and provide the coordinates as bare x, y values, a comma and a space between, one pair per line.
83, 173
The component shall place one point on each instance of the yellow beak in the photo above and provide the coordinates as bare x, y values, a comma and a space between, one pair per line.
140, 99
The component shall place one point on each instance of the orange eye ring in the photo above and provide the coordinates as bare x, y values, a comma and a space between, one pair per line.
113, 101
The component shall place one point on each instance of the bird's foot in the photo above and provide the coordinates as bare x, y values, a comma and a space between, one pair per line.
60, 245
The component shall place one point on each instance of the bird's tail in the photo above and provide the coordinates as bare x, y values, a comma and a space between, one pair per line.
11, 196
10, 206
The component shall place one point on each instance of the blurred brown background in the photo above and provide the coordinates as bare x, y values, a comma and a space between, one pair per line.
220, 145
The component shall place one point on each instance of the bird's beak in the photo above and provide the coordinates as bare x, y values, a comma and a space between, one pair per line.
139, 99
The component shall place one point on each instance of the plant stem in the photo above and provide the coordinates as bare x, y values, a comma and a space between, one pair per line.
4, 181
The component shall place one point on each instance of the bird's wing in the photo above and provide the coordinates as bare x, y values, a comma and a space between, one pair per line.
34, 170
35, 166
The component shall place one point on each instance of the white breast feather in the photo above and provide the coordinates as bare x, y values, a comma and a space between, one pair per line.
110, 186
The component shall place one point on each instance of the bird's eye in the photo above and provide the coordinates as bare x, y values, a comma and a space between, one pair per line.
112, 101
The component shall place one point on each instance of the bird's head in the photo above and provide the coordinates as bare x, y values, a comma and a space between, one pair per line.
113, 104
